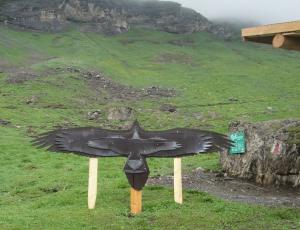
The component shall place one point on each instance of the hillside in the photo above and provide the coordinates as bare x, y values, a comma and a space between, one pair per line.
49, 80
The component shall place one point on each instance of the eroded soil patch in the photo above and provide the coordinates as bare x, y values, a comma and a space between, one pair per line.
20, 75
101, 83
97, 81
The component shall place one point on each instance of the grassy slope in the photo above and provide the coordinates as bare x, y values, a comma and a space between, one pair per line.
41, 190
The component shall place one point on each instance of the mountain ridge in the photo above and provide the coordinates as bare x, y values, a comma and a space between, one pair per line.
107, 17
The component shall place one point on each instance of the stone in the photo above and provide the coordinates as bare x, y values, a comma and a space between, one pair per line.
168, 108
3, 122
272, 153
219, 174
120, 113
198, 116
154, 91
93, 115
32, 100
233, 99
200, 169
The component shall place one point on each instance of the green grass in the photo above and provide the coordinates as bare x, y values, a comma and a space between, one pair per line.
40, 190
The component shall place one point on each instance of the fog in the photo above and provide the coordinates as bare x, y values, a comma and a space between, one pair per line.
258, 11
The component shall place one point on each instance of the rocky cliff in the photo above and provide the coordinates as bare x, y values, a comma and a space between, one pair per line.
105, 16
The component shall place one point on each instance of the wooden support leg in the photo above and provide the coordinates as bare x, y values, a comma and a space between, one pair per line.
135, 201
92, 187
177, 181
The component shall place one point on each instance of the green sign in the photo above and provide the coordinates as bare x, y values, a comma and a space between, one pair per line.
239, 143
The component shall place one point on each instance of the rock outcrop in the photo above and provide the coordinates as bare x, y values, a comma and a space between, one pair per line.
272, 156
106, 16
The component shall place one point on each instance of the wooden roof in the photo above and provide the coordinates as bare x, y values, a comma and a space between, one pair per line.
272, 29
281, 35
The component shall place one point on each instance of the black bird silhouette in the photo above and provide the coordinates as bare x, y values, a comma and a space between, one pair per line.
135, 143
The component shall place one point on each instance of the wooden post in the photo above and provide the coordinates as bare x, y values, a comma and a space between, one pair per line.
135, 201
92, 187
177, 181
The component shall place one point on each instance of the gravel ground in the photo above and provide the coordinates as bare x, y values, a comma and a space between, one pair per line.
234, 189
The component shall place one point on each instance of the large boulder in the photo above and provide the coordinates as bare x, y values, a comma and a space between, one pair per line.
120, 114
272, 153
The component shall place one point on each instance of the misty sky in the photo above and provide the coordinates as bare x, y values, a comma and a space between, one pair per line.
261, 11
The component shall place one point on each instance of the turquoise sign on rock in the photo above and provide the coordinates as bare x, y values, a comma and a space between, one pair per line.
239, 143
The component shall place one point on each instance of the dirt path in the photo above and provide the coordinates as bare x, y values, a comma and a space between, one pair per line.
234, 189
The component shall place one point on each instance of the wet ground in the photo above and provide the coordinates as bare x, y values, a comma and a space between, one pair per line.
234, 189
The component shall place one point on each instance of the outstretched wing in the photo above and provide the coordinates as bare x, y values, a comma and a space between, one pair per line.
76, 140
142, 146
192, 141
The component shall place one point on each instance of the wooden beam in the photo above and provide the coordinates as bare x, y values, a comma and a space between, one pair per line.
135, 201
292, 34
177, 181
271, 29
92, 187
286, 42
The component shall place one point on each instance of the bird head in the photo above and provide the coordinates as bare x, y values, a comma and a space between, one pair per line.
135, 128
137, 171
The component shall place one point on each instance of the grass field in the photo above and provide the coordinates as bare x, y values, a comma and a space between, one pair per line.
216, 82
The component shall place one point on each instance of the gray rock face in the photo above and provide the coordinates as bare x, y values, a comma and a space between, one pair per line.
273, 153
105, 16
